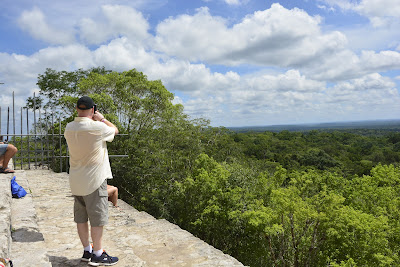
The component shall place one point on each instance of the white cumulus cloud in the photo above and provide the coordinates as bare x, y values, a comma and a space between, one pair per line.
295, 69
276, 36
34, 22
236, 2
380, 12
118, 21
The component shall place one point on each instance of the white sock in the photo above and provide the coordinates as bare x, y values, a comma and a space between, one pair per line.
88, 248
98, 252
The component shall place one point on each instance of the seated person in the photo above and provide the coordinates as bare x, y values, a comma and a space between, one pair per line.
112, 194
7, 151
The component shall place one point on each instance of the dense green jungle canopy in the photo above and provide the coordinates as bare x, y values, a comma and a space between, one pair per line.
269, 199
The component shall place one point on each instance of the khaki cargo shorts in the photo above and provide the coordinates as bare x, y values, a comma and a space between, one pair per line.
93, 207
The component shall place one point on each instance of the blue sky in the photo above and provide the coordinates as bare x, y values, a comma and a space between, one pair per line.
234, 62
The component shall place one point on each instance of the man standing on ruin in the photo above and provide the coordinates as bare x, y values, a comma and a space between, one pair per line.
89, 170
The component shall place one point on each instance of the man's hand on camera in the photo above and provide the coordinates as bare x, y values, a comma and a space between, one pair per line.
97, 116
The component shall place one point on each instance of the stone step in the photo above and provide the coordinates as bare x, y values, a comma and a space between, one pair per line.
28, 247
5, 216
137, 238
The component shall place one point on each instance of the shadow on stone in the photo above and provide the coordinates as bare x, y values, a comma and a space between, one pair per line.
27, 235
63, 261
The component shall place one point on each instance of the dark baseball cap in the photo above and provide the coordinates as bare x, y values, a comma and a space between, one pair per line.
84, 103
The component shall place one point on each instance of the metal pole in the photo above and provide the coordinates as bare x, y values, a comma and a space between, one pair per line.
52, 140
1, 137
13, 107
21, 140
27, 130
13, 116
66, 158
41, 137
35, 126
47, 138
59, 138
8, 121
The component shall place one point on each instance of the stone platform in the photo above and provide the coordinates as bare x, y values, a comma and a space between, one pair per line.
44, 233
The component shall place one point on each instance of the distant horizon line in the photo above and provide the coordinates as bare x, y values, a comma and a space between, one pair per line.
338, 123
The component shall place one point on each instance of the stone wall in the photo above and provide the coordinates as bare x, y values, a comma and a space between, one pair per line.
5, 215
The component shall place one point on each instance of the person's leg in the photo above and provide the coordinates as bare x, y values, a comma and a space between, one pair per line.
3, 149
98, 217
97, 237
97, 209
10, 152
82, 224
113, 194
99, 256
83, 232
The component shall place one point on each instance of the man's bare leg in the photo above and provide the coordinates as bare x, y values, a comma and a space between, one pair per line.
113, 195
97, 236
10, 152
83, 232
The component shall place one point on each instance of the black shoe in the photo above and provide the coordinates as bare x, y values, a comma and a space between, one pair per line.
86, 256
103, 260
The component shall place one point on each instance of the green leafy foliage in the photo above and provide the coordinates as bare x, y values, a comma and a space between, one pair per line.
269, 199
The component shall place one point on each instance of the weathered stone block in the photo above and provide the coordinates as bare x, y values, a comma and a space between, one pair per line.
5, 216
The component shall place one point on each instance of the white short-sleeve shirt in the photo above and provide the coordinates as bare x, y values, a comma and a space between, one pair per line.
89, 163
